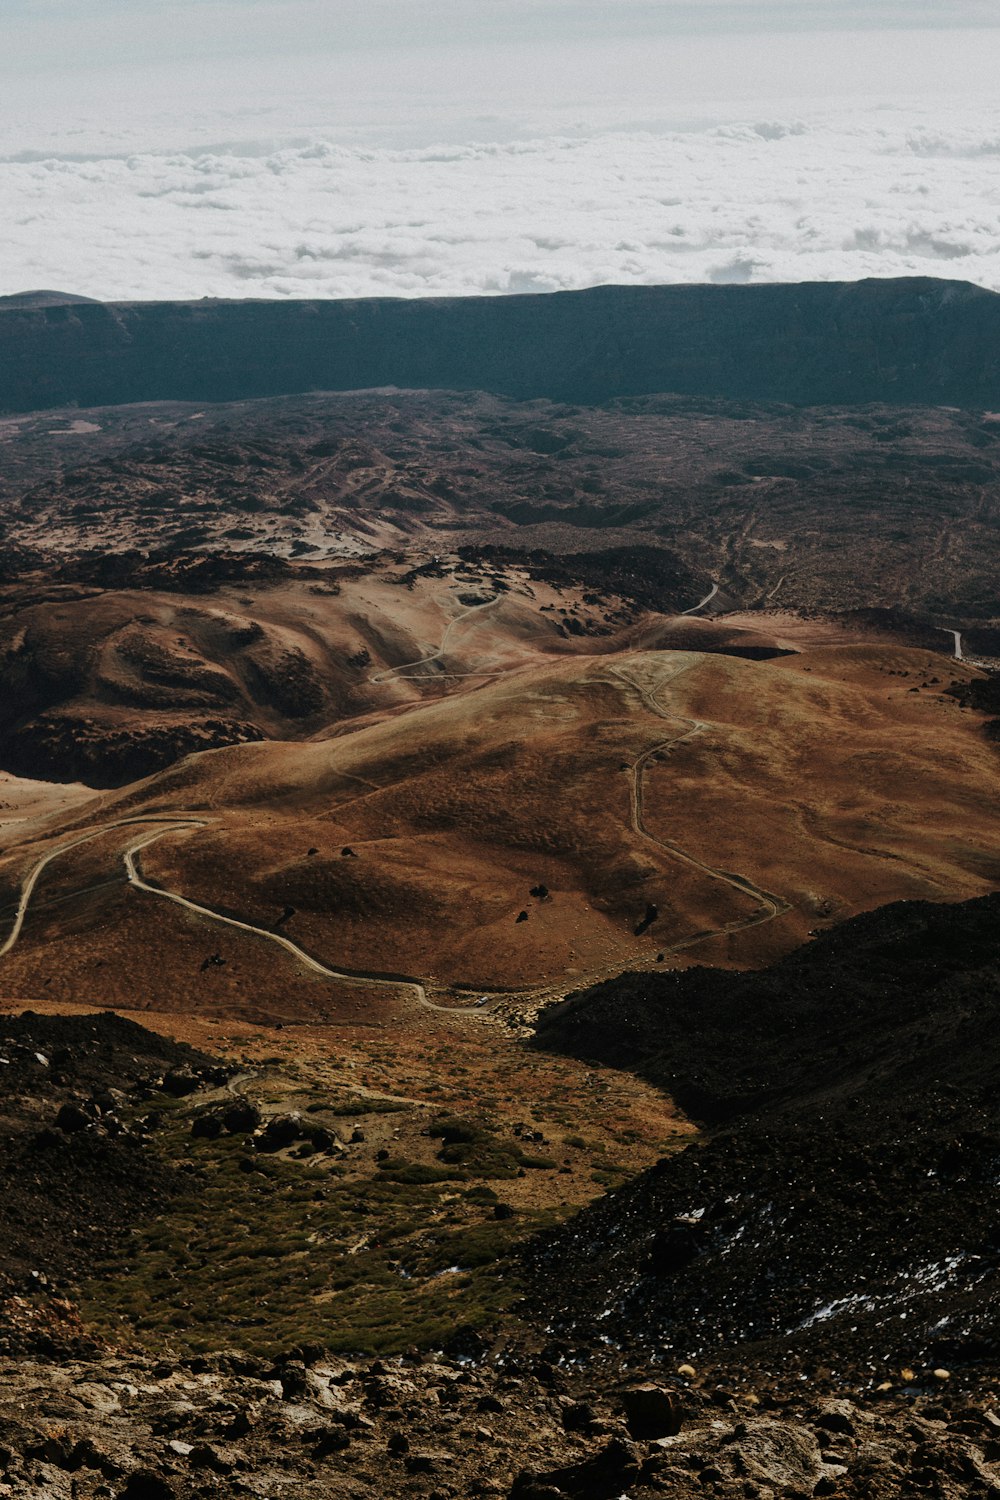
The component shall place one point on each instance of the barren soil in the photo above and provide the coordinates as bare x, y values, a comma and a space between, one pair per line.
639, 808
831, 507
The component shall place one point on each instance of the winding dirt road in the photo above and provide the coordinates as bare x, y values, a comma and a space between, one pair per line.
702, 602
769, 906
362, 980
136, 879
31, 879
302, 957
423, 661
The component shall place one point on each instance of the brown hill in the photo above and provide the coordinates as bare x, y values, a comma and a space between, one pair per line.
630, 805
106, 686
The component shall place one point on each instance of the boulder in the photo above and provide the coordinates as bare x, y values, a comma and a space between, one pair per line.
652, 1412
603, 1476
240, 1117
837, 1416
72, 1118
280, 1131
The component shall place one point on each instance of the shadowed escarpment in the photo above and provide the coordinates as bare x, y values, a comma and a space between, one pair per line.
894, 999
839, 1212
913, 339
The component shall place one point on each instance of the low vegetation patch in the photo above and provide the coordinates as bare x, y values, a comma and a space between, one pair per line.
263, 1251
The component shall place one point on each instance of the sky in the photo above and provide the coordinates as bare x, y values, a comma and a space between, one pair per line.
283, 148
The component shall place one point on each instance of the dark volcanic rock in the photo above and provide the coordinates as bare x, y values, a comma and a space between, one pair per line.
842, 1214
651, 1412
68, 1196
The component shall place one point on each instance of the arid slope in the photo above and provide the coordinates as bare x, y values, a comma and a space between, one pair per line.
723, 807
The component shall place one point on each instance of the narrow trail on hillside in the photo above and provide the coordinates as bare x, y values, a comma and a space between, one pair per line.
422, 661
135, 878
769, 905
702, 602
31, 879
237, 1083
362, 978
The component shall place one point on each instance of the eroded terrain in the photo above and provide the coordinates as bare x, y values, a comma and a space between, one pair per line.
342, 737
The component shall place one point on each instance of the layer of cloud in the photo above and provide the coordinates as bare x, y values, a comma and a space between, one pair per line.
839, 197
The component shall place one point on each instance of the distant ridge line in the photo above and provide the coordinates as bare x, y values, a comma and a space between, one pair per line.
916, 340
44, 299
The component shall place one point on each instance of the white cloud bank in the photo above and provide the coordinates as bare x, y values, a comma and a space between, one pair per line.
839, 197
460, 169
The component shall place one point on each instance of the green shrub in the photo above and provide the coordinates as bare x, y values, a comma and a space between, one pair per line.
416, 1173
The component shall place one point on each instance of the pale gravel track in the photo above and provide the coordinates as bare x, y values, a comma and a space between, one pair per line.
423, 661
770, 906
957, 637
135, 879
702, 602
31, 879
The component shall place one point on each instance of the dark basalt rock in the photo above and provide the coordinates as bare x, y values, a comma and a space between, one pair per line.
604, 1476
854, 1132
652, 1412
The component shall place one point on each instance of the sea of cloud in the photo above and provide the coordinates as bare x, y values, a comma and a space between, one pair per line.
762, 200
448, 173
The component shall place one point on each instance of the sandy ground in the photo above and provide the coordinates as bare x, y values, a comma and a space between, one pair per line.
26, 805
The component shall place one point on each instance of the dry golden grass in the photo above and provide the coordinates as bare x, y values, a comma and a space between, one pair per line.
822, 779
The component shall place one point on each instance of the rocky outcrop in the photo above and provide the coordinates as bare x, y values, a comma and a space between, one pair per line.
143, 1428
838, 1214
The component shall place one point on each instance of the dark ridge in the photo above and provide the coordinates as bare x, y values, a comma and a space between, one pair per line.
652, 577
97, 1050
886, 1000
21, 300
847, 1221
908, 340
